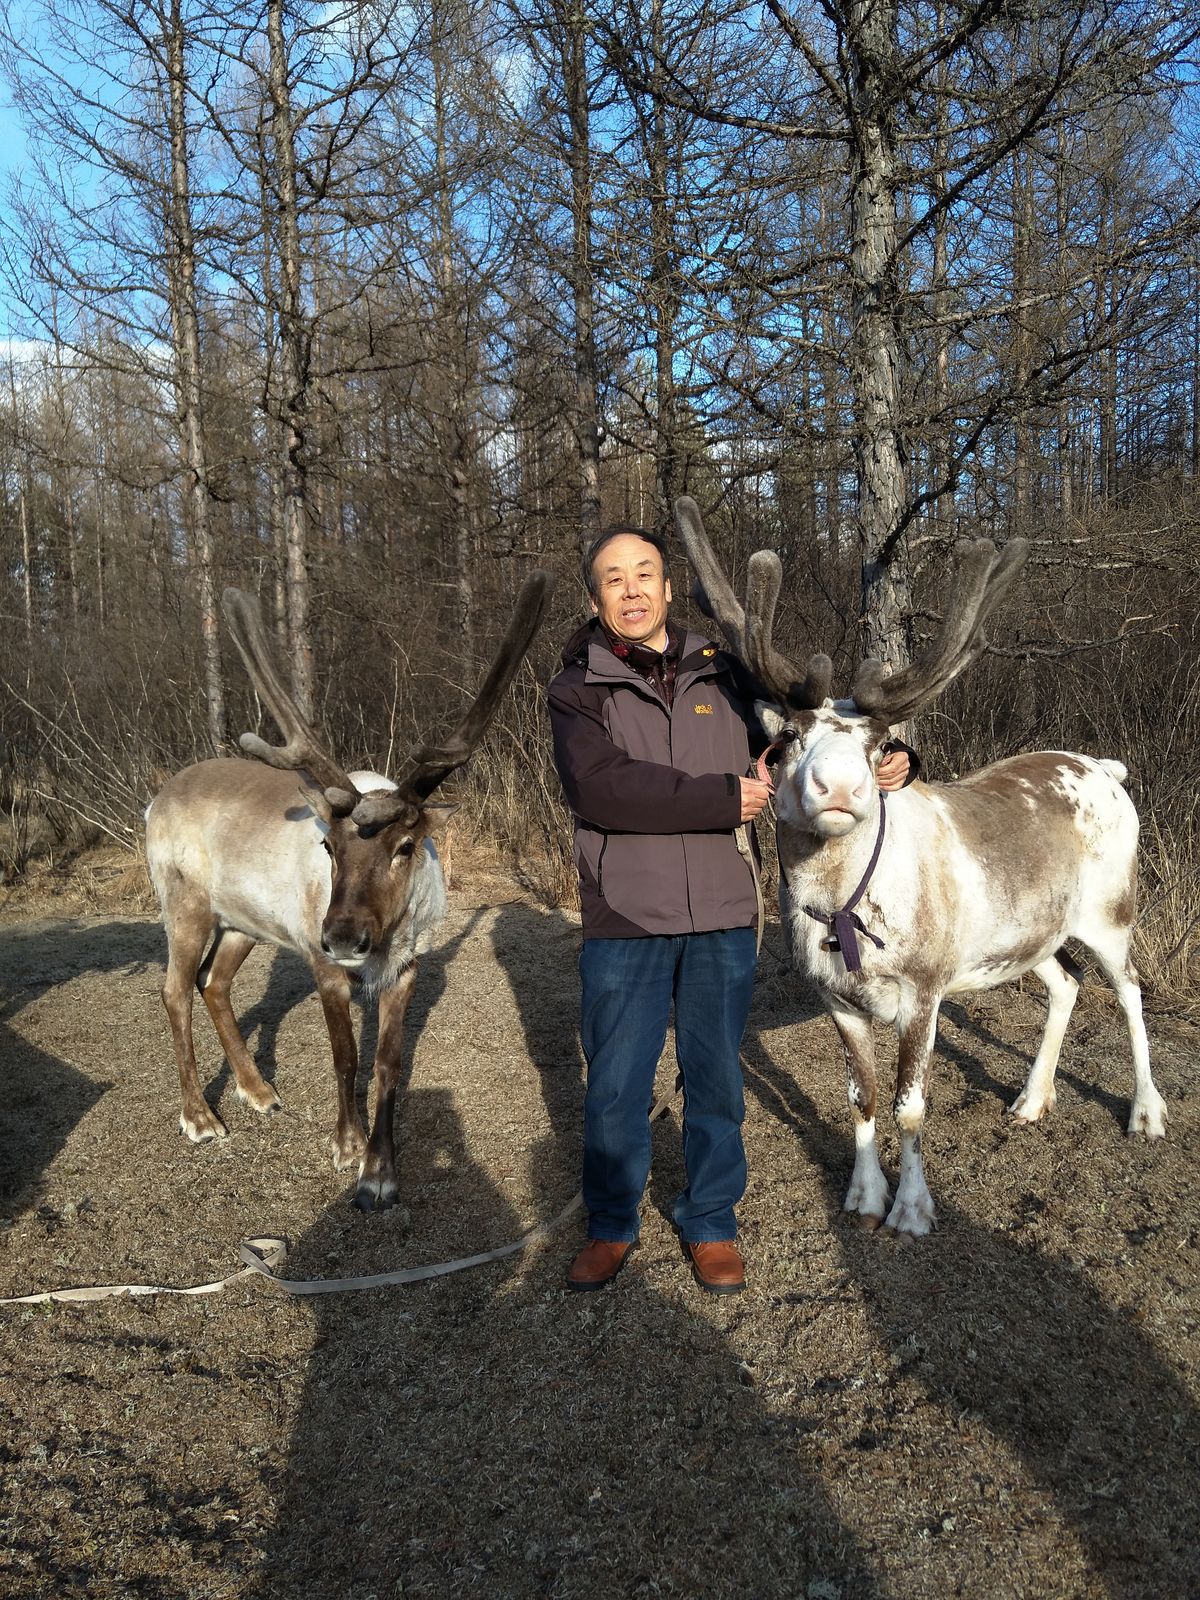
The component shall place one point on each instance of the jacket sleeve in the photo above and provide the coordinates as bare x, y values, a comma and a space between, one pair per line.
613, 791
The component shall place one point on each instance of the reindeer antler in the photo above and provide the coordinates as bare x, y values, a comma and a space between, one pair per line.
715, 595
302, 748
749, 631
430, 765
981, 582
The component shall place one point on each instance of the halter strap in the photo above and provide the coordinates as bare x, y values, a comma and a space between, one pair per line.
845, 925
760, 765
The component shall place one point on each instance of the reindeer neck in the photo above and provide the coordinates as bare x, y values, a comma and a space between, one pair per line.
830, 870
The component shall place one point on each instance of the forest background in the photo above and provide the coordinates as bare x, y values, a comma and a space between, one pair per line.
371, 308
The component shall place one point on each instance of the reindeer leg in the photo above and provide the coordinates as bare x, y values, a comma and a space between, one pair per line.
377, 1176
868, 1194
220, 966
1148, 1114
1037, 1098
913, 1213
188, 927
349, 1138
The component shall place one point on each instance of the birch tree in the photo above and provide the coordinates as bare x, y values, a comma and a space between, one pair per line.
106, 88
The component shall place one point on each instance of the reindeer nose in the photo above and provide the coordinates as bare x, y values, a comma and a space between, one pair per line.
341, 942
821, 788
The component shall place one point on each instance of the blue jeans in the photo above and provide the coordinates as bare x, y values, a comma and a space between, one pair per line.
628, 987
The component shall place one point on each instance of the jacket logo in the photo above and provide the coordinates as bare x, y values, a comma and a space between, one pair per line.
703, 711
710, 651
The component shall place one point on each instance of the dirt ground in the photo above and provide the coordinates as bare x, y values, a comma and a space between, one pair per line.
1009, 1408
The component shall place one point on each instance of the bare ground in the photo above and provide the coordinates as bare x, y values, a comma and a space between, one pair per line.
1008, 1408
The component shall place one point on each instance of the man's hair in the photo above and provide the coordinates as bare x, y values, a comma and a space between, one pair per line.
615, 532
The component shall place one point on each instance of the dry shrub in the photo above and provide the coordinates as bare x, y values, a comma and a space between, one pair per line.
1098, 653
513, 791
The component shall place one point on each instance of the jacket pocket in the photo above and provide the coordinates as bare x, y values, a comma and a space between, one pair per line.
588, 848
646, 881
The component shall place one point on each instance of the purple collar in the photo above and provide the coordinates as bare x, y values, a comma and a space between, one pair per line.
845, 925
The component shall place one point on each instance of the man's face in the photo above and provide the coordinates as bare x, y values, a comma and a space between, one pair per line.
632, 595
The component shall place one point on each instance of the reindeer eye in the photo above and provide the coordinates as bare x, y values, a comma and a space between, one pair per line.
405, 848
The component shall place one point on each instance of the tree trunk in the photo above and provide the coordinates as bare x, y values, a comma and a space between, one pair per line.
587, 430
664, 295
831, 390
23, 480
185, 333
67, 492
293, 365
941, 448
874, 339
1066, 453
1106, 303
1022, 223
456, 432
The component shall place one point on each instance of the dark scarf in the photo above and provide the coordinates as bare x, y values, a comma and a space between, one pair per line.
658, 667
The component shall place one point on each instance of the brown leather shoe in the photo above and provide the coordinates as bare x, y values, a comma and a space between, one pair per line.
598, 1263
717, 1265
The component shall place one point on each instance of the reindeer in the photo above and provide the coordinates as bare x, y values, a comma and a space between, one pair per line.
949, 887
340, 867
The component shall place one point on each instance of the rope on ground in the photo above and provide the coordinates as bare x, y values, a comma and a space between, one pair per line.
262, 1254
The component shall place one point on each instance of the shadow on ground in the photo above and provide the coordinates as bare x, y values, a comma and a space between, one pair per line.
42, 1096
1007, 1339
492, 1434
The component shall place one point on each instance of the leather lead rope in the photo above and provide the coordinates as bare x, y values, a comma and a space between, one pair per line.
845, 925
741, 836
262, 1254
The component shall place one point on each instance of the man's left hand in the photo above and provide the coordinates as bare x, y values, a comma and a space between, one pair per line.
893, 771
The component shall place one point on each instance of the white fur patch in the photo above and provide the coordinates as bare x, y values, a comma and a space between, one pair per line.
977, 882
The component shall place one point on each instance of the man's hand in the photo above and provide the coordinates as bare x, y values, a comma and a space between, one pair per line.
755, 795
893, 771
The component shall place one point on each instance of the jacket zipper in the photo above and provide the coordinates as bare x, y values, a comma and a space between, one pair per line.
687, 876
600, 868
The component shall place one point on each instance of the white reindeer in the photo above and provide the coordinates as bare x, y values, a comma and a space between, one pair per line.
945, 887
340, 867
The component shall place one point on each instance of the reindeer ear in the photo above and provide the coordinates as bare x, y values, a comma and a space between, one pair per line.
436, 817
314, 796
771, 717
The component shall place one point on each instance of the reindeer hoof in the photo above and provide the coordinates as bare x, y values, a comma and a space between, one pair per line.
912, 1220
865, 1222
348, 1151
1149, 1117
201, 1128
264, 1101
376, 1194
1028, 1110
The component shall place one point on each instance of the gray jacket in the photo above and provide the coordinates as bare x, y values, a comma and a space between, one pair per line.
654, 788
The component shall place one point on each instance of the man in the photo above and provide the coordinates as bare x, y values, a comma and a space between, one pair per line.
653, 732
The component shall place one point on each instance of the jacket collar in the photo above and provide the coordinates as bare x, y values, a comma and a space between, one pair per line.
698, 657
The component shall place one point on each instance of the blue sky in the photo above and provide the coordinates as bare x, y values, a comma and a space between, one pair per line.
12, 151
12, 143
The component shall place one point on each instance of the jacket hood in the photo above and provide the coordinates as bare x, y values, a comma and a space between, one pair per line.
576, 648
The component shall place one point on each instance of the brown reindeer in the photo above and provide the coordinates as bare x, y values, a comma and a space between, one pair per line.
960, 886
340, 867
